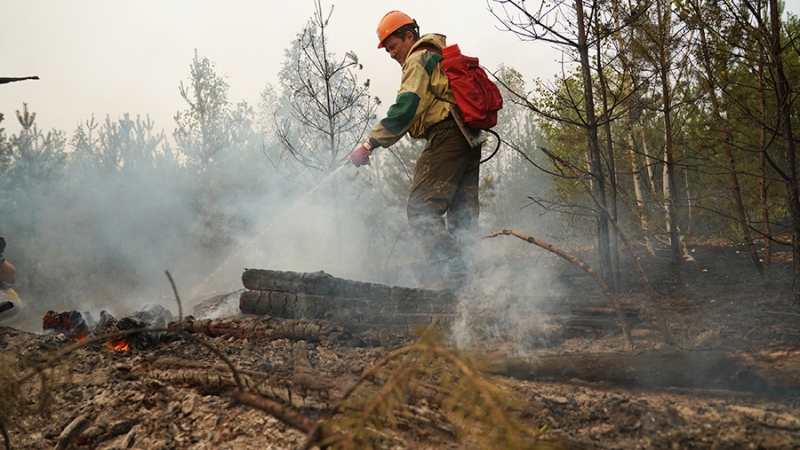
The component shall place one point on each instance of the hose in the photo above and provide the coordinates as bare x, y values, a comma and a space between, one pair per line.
495, 149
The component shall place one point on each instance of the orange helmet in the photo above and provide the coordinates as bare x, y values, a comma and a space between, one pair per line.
392, 22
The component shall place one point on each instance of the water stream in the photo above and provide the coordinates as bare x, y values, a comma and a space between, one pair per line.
278, 219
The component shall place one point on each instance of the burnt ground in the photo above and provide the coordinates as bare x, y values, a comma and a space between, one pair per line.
106, 399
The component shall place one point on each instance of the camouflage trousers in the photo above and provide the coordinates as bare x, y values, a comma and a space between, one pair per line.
443, 204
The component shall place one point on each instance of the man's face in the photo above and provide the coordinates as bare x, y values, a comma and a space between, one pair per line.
398, 48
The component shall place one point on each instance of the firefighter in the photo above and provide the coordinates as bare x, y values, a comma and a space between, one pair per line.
9, 301
442, 206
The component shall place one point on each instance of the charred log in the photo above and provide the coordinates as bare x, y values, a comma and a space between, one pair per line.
106, 324
771, 372
154, 316
358, 306
265, 328
305, 376
70, 323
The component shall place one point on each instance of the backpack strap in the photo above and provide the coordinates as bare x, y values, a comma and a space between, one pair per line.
427, 46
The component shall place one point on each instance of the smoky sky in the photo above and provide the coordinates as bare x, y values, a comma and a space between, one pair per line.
96, 57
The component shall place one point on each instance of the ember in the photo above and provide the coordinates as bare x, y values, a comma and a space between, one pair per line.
120, 345
70, 323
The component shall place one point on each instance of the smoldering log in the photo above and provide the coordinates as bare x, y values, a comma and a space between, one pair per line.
152, 316
314, 330
377, 308
356, 305
765, 371
70, 323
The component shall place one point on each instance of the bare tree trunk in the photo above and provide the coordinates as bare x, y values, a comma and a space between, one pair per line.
633, 114
649, 163
641, 211
612, 171
725, 138
685, 251
789, 157
668, 189
762, 161
664, 12
593, 141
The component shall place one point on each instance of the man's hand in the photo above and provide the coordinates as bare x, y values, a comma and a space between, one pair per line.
360, 156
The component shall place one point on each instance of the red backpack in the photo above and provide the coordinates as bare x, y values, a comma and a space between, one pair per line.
477, 97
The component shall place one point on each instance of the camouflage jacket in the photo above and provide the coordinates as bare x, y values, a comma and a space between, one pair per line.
424, 98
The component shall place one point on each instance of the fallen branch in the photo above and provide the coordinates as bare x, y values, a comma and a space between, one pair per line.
305, 391
177, 297
285, 414
581, 265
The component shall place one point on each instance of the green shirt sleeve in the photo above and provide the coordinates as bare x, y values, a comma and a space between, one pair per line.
412, 101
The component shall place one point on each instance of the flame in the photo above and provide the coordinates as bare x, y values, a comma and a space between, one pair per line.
70, 323
120, 345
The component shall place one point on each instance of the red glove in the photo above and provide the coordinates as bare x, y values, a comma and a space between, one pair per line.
360, 156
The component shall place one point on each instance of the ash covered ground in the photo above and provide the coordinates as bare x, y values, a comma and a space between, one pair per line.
106, 399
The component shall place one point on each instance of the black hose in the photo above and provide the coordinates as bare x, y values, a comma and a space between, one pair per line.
495, 149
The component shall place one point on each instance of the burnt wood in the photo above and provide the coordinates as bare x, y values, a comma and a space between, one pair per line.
265, 328
772, 371
357, 306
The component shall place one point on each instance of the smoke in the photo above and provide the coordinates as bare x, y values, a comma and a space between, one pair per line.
111, 244
505, 300
101, 236
103, 239
317, 229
